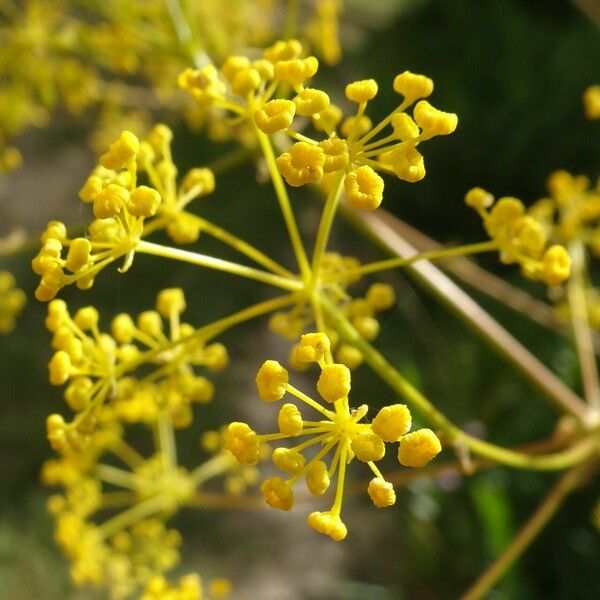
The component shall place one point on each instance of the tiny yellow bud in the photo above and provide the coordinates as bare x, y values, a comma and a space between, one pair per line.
56, 432
479, 199
159, 137
380, 296
150, 323
381, 492
368, 327
418, 448
356, 126
59, 368
91, 188
334, 382
264, 67
143, 202
287, 460
289, 420
86, 318
183, 229
233, 65
433, 121
78, 255
275, 115
329, 524
245, 81
392, 422
123, 328
110, 201
317, 477
78, 393
121, 151
312, 347
202, 178
503, 214
243, 443
169, 301
556, 265
271, 381
404, 127
296, 71
364, 188
302, 164
328, 119
412, 86
361, 91
283, 50
277, 493
309, 102
336, 154
368, 446
349, 356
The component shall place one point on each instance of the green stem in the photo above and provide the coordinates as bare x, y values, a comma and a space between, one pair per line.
218, 264
581, 326
132, 515
331, 204
284, 202
393, 263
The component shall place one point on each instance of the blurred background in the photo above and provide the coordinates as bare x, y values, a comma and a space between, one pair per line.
514, 71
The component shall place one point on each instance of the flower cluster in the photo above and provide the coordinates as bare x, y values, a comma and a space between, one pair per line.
111, 515
12, 301
340, 434
350, 152
125, 212
78, 57
189, 587
520, 237
97, 367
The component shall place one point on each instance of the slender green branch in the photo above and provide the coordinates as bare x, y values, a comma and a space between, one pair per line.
581, 326
218, 264
284, 202
329, 211
393, 263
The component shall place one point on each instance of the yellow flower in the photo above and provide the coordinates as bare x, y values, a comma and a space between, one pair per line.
364, 188
271, 381
275, 115
361, 91
243, 443
302, 164
381, 492
418, 448
340, 432
277, 493
412, 86
556, 265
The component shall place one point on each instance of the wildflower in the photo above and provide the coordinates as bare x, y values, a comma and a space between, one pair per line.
355, 152
125, 212
97, 367
521, 237
340, 431
12, 301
